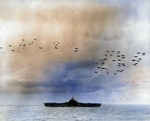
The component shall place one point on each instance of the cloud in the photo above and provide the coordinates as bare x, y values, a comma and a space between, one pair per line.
38, 38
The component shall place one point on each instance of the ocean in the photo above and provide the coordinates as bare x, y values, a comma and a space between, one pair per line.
103, 113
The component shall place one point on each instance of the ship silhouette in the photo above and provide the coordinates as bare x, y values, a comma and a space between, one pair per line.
72, 103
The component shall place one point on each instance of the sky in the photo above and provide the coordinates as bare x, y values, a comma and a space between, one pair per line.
95, 50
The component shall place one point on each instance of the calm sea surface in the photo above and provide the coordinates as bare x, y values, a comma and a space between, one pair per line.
103, 113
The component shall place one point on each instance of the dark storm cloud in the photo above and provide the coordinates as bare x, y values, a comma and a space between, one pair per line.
73, 79
59, 86
81, 64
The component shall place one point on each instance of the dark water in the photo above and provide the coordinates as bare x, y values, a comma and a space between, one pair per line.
103, 113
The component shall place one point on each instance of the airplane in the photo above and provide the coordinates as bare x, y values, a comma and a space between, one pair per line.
123, 64
133, 60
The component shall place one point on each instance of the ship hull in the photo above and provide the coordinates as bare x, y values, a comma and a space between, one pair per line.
72, 103
68, 105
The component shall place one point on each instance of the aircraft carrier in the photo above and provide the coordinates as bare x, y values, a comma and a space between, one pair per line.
72, 103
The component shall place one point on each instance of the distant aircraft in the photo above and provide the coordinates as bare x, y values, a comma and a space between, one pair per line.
123, 64
133, 60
